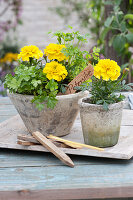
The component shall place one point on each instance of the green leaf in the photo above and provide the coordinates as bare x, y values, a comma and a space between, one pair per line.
99, 102
108, 21
108, 2
123, 82
105, 106
120, 98
129, 16
127, 87
35, 83
115, 24
14, 84
111, 40
120, 16
63, 89
51, 102
39, 106
70, 27
131, 84
119, 43
52, 85
129, 37
131, 30
117, 2
123, 27
104, 33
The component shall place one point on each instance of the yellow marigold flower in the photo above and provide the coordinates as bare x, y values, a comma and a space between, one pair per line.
107, 70
30, 52
53, 51
2, 60
55, 70
9, 57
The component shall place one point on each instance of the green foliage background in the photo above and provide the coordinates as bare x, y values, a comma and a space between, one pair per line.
119, 22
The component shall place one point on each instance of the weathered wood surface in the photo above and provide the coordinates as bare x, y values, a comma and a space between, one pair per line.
123, 150
37, 175
31, 175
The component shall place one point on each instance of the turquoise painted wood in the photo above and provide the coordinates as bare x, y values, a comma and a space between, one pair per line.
22, 170
45, 177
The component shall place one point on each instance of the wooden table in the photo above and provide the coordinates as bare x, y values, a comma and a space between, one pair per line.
36, 175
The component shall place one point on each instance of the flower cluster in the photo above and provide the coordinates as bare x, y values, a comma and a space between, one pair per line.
53, 51
28, 52
47, 77
55, 70
9, 57
107, 70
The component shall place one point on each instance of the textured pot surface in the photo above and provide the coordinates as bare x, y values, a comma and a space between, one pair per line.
100, 128
57, 121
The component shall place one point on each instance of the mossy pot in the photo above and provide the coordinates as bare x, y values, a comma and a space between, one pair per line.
100, 128
57, 121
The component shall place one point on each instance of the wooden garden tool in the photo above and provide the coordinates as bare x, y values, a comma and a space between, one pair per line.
76, 143
52, 148
28, 140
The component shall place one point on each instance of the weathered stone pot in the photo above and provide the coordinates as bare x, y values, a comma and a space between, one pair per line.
100, 128
57, 121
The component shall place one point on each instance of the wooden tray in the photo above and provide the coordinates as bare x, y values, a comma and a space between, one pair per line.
10, 128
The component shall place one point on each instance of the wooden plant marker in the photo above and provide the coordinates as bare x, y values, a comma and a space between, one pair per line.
53, 149
24, 139
76, 143
86, 74
25, 143
27, 138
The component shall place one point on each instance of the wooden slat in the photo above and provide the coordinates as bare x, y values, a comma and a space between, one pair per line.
121, 193
25, 143
5, 117
62, 177
7, 107
27, 138
127, 118
91, 178
5, 101
15, 126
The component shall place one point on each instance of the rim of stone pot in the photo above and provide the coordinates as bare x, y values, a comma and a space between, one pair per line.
67, 96
84, 104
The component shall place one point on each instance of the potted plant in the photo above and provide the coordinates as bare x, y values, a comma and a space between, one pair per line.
101, 113
40, 81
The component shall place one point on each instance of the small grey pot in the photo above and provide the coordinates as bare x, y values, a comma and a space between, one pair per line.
57, 121
100, 128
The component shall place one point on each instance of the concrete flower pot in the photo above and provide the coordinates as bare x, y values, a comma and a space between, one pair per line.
100, 128
57, 121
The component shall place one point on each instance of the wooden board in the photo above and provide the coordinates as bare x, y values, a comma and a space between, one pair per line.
10, 128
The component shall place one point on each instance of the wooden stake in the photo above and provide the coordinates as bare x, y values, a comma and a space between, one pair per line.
25, 143
33, 140
27, 138
53, 149
76, 143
